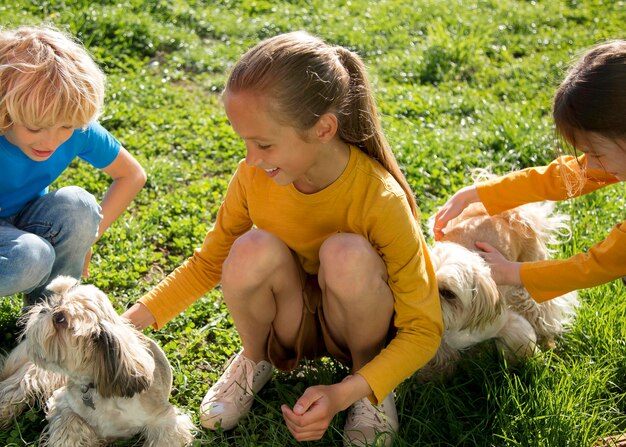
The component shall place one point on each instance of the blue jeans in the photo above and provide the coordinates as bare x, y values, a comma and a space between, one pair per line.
49, 237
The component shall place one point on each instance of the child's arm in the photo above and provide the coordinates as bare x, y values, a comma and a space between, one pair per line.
453, 207
564, 178
201, 271
417, 309
128, 179
603, 262
560, 180
139, 316
548, 279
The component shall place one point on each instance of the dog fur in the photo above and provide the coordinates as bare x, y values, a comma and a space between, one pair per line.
100, 378
474, 308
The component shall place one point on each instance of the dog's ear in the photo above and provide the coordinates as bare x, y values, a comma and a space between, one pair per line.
123, 364
487, 304
62, 284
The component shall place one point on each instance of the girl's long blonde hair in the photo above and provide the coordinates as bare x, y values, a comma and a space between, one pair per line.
304, 78
47, 79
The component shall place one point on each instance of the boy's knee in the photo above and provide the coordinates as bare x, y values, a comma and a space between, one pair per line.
76, 198
81, 208
27, 264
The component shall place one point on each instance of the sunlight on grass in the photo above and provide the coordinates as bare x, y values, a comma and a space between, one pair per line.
460, 84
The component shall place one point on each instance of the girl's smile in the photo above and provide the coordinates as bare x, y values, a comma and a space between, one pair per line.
272, 172
287, 155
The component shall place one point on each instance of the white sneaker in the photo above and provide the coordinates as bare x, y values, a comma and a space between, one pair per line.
231, 397
370, 425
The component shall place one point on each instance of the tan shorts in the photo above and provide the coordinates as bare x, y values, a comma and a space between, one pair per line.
313, 340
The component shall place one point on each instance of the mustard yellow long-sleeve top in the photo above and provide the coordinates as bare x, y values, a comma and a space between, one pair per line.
603, 262
364, 200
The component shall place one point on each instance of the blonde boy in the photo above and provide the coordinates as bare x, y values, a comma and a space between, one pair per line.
51, 93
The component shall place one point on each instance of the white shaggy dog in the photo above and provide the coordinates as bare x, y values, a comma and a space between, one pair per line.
102, 379
474, 308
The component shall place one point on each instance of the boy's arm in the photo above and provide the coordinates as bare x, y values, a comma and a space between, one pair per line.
128, 179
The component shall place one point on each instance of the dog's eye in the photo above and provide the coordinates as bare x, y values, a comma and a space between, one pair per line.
447, 294
59, 320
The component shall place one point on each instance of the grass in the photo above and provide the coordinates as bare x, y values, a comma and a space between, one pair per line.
460, 84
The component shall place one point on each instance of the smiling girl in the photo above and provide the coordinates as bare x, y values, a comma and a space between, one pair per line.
317, 245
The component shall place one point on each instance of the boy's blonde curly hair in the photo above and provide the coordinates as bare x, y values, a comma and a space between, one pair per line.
47, 79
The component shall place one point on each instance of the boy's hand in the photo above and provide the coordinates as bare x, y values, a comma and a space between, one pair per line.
86, 265
453, 207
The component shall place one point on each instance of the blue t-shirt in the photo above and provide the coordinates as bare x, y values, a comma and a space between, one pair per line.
23, 179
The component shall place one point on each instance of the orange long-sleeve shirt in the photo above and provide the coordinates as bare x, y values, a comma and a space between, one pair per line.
603, 262
364, 200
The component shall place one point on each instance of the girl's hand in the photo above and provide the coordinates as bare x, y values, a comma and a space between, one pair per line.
503, 271
139, 316
312, 413
453, 207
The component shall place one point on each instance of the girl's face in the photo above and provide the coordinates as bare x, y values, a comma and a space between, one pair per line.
38, 144
281, 151
606, 154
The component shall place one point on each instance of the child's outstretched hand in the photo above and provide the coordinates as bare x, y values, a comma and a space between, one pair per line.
503, 271
453, 207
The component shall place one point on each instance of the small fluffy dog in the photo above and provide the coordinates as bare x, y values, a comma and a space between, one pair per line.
101, 378
474, 308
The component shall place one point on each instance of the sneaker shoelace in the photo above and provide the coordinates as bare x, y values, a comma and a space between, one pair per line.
227, 384
363, 414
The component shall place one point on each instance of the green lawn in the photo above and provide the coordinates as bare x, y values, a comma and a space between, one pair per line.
460, 84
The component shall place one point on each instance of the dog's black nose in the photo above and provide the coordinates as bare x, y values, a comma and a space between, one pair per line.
59, 320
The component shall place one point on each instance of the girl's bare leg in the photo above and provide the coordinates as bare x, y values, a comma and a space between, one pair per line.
358, 303
358, 306
262, 286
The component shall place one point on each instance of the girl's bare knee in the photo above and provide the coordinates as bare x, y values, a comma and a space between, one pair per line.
251, 255
343, 249
350, 266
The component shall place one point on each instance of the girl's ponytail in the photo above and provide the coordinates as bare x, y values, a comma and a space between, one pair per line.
359, 123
